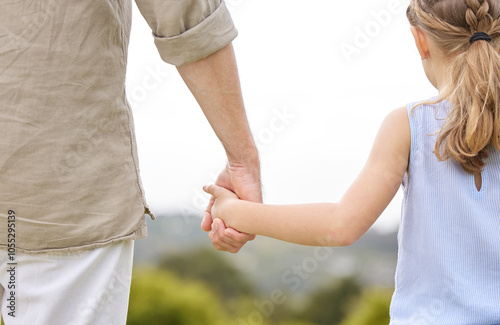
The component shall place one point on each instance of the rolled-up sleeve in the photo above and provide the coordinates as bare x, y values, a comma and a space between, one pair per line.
188, 30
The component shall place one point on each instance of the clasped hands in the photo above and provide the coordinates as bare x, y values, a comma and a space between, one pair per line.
235, 181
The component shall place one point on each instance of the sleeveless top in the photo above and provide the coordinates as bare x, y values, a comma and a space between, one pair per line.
448, 269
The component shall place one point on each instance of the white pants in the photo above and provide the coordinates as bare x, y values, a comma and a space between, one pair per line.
88, 287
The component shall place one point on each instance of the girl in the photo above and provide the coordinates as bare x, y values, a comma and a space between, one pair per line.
446, 153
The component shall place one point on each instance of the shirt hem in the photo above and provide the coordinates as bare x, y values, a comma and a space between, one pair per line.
139, 233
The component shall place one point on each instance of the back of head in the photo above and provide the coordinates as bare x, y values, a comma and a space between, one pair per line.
468, 32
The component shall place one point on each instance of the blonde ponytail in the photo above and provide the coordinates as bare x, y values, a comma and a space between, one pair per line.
472, 127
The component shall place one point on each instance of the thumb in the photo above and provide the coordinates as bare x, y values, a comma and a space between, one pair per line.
213, 190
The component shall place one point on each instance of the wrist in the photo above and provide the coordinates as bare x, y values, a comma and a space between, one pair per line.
246, 159
237, 216
243, 156
227, 211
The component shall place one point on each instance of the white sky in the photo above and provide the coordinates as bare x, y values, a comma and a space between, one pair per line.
318, 78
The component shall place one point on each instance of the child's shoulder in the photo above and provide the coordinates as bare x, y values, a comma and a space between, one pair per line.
396, 125
397, 117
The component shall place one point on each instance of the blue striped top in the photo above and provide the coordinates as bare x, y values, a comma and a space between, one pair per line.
448, 270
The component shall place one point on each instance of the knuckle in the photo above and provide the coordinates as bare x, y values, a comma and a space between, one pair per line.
214, 237
241, 239
217, 246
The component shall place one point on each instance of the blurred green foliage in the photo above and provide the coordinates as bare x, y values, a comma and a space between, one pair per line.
209, 266
161, 297
371, 309
330, 305
158, 297
201, 287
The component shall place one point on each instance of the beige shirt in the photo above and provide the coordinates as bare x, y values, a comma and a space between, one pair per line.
68, 159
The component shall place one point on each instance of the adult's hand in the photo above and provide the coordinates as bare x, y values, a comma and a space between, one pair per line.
215, 84
245, 182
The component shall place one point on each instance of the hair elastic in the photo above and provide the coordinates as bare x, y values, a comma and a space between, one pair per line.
480, 36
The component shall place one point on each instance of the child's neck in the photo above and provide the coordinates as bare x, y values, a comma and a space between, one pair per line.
442, 75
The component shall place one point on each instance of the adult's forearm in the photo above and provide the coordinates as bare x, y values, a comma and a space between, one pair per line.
215, 84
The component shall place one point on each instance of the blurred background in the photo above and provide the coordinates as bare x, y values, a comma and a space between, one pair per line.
318, 78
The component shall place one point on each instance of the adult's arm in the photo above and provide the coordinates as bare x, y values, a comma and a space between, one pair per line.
196, 36
215, 84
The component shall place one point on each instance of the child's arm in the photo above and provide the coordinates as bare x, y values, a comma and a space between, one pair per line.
329, 224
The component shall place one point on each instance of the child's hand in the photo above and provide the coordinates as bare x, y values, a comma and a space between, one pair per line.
225, 239
222, 198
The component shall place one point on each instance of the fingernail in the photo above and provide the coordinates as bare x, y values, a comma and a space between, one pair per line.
215, 226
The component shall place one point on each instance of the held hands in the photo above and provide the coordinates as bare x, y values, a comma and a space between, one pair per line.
222, 197
243, 181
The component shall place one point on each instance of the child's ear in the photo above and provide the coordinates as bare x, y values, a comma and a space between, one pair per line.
421, 42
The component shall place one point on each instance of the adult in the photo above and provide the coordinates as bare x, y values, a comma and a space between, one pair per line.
71, 198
